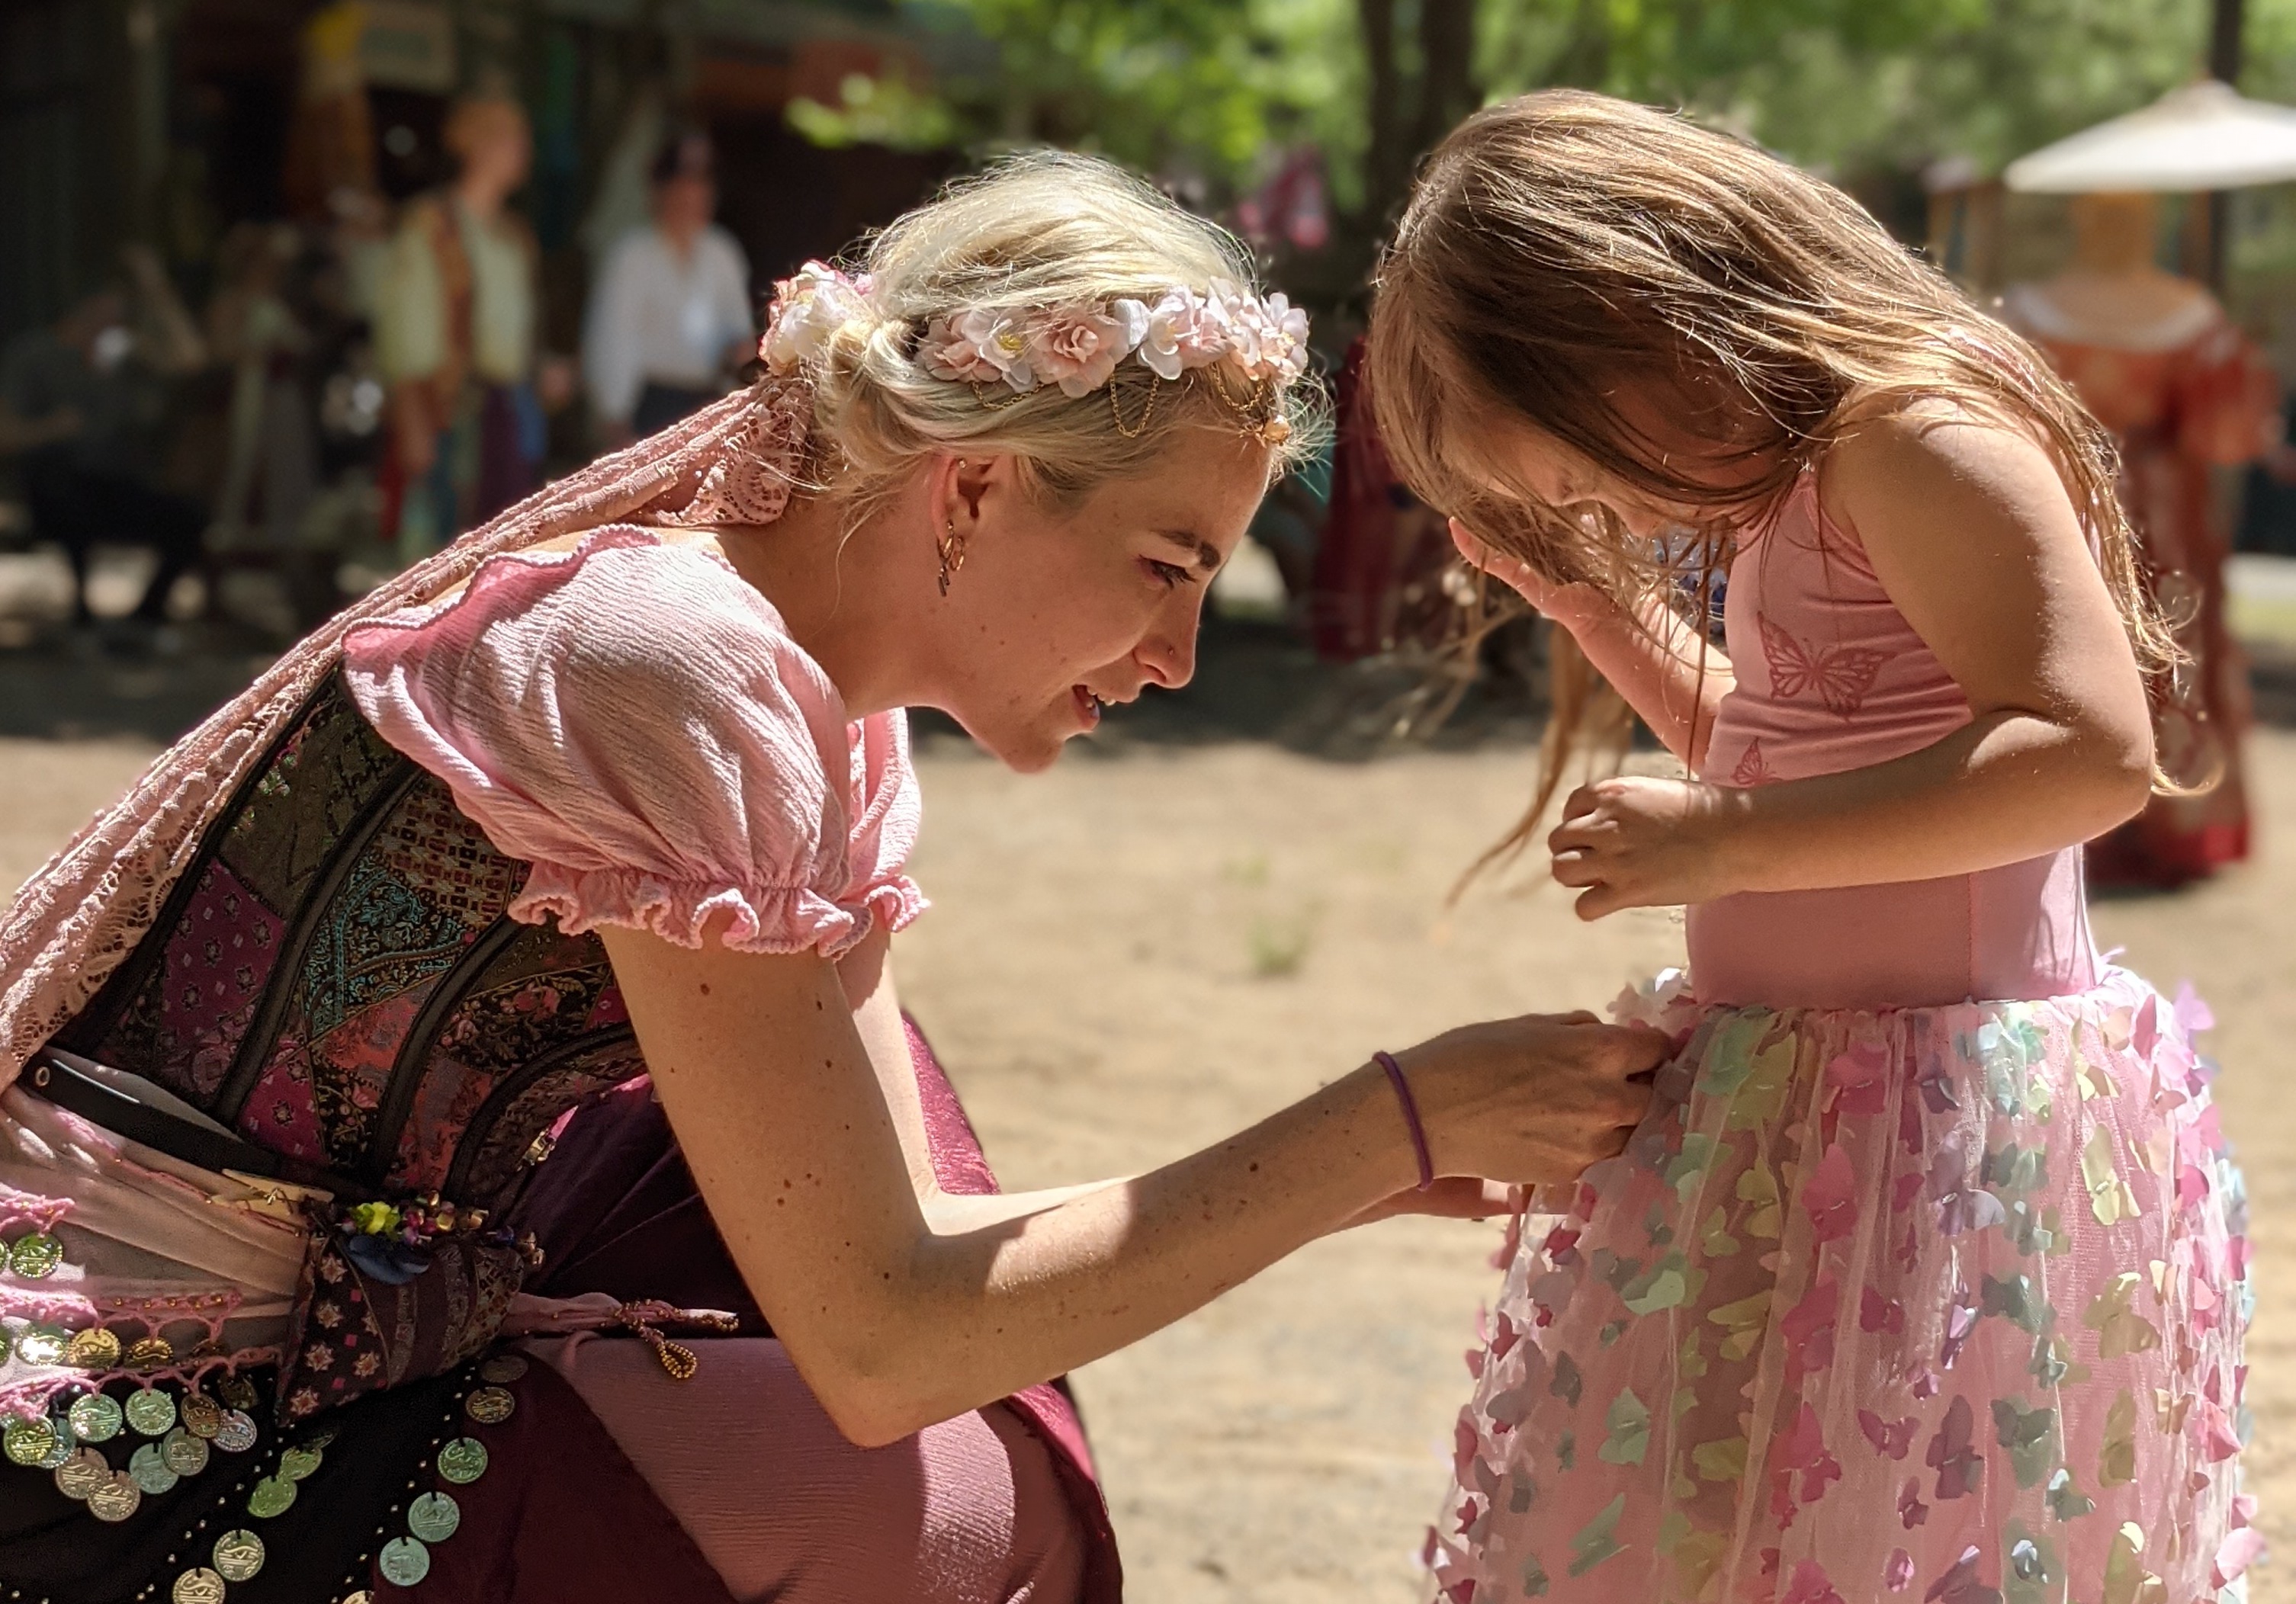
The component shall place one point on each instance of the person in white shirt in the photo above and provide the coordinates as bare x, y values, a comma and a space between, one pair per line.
671, 317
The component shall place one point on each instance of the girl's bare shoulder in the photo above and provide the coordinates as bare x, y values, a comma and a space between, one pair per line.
1933, 454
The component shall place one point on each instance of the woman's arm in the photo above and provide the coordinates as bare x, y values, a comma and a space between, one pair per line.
900, 1311
1650, 654
1972, 532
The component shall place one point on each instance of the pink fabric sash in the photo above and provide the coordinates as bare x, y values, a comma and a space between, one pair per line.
79, 917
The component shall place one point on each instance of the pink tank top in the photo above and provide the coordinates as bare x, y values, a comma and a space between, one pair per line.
1829, 677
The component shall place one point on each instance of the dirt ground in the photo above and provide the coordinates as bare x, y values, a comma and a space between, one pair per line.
1153, 944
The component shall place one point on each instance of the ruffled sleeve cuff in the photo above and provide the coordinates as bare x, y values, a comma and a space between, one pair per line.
782, 919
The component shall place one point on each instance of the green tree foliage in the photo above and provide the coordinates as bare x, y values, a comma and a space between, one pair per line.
1205, 89
1189, 88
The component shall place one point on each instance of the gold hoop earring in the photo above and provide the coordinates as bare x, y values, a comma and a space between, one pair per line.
951, 547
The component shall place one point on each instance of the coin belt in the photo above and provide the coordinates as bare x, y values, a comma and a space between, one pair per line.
184, 1433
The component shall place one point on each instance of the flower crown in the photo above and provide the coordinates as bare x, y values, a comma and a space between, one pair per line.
1263, 340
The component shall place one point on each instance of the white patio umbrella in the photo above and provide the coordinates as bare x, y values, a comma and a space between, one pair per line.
2202, 136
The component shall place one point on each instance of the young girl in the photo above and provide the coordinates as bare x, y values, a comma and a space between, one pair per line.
1924, 1275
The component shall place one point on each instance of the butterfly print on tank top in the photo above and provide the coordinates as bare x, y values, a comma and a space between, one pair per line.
1840, 675
1753, 769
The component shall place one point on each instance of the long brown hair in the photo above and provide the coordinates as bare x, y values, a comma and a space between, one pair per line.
1562, 243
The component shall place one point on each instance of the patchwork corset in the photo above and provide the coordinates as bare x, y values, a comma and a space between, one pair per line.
336, 978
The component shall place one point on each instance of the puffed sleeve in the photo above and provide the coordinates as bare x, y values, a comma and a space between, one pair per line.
632, 720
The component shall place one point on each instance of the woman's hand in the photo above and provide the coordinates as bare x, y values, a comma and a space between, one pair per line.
1638, 842
1529, 1101
1451, 1197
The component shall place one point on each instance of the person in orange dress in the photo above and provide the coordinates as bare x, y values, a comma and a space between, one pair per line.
2154, 355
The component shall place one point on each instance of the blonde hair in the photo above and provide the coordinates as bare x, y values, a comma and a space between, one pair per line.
1562, 242
1046, 230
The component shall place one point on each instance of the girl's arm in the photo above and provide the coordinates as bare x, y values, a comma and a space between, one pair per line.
901, 1307
1650, 655
1973, 537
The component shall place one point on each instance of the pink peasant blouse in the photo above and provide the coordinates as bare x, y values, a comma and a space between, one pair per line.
632, 718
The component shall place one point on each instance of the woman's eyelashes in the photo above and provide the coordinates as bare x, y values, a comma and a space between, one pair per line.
1171, 575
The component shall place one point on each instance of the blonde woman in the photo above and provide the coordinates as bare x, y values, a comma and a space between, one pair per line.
1924, 1275
619, 783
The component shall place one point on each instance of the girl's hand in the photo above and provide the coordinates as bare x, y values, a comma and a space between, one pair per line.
1564, 604
1513, 572
1636, 842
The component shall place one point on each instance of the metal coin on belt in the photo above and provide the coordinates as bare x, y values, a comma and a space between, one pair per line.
147, 1353
95, 1418
237, 1434
463, 1460
502, 1368
360, 1597
296, 1463
203, 1415
273, 1496
237, 1391
198, 1585
150, 1467
151, 1411
490, 1406
36, 1256
434, 1516
117, 1499
82, 1473
186, 1455
64, 1447
404, 1562
95, 1349
239, 1555
5, 1340
28, 1442
41, 1345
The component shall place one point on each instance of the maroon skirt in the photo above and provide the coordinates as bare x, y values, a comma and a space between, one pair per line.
564, 1515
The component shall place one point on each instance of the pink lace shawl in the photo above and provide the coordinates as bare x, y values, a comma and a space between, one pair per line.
79, 917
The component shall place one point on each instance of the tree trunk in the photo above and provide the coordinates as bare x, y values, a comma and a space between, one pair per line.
1386, 163
2225, 42
1446, 83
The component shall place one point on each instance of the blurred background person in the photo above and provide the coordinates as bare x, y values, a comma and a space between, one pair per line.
83, 402
2154, 355
670, 321
454, 324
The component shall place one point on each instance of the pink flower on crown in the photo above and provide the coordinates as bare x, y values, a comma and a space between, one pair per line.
809, 306
978, 347
1175, 335
1078, 347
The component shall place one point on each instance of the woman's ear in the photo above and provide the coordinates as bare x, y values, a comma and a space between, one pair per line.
967, 483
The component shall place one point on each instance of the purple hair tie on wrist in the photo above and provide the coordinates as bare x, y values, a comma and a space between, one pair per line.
1410, 1117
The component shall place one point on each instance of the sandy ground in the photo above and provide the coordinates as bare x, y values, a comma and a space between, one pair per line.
1139, 951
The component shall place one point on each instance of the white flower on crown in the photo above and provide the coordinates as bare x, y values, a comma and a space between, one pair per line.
1280, 332
808, 308
1174, 336
980, 348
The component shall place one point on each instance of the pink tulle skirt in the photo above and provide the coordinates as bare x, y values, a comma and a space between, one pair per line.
1938, 1303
